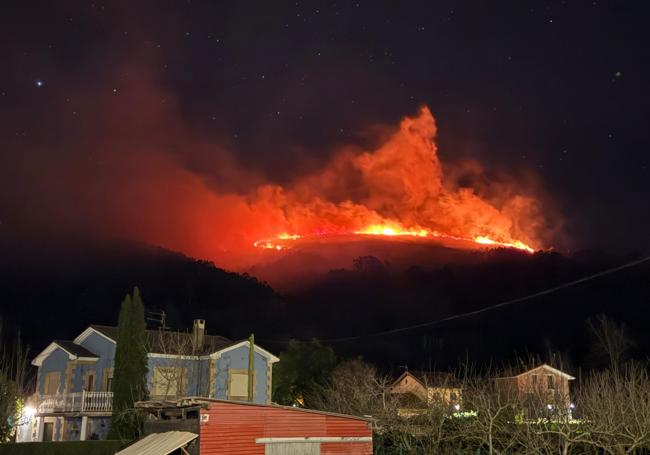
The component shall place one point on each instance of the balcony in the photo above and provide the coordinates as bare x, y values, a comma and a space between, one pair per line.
81, 402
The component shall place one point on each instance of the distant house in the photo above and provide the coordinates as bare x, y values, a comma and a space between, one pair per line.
543, 384
419, 389
73, 399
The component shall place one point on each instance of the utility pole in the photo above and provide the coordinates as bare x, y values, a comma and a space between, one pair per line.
159, 317
251, 367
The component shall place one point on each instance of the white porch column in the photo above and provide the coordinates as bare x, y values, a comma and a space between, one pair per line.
41, 428
84, 428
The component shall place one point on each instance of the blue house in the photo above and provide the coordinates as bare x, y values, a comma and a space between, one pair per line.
73, 399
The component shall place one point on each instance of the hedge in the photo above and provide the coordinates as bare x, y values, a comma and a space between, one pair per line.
62, 448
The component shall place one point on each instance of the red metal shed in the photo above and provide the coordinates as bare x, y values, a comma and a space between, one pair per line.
229, 428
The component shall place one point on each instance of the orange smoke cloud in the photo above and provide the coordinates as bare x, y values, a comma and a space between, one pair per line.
150, 179
400, 188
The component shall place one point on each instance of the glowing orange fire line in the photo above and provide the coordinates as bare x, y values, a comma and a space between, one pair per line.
394, 231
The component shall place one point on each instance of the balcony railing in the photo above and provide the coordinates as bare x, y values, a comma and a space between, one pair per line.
76, 402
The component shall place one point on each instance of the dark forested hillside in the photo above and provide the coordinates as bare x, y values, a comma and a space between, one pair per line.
59, 295
359, 301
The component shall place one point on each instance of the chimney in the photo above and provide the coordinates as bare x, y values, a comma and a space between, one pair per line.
198, 334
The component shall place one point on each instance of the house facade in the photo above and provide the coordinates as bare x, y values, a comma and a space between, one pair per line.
543, 386
73, 399
421, 389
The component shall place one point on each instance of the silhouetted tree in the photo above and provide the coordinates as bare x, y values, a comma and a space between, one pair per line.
13, 372
368, 264
129, 383
612, 339
303, 369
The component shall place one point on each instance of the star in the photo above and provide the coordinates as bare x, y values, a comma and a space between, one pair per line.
39, 83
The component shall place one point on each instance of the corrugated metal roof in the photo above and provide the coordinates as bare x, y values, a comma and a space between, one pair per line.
159, 443
194, 401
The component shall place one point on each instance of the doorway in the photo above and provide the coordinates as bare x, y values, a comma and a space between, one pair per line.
48, 431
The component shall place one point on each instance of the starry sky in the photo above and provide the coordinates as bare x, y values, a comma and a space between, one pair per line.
95, 96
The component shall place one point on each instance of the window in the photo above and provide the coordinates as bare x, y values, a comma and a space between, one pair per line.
238, 384
535, 379
169, 381
550, 381
52, 381
89, 383
108, 380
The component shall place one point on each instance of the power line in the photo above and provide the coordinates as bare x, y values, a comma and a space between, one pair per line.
485, 309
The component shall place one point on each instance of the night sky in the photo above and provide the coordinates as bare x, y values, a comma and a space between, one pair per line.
112, 114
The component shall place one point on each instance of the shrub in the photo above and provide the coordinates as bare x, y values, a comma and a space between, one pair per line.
62, 448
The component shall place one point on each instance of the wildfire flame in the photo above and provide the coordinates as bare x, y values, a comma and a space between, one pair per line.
400, 190
380, 230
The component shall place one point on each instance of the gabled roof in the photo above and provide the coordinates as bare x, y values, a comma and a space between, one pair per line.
74, 351
162, 341
260, 350
544, 366
430, 379
192, 401
167, 342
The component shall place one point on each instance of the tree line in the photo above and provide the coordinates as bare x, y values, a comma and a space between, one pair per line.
607, 411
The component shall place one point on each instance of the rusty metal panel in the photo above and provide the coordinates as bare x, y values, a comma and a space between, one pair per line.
293, 448
347, 448
232, 428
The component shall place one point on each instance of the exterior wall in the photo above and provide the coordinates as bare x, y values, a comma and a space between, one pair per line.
232, 429
105, 350
57, 361
525, 383
194, 372
206, 376
76, 375
58, 429
237, 359
27, 431
98, 427
72, 429
409, 384
73, 372
448, 395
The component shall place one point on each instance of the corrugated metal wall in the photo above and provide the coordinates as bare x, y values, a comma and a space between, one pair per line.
231, 429
293, 448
